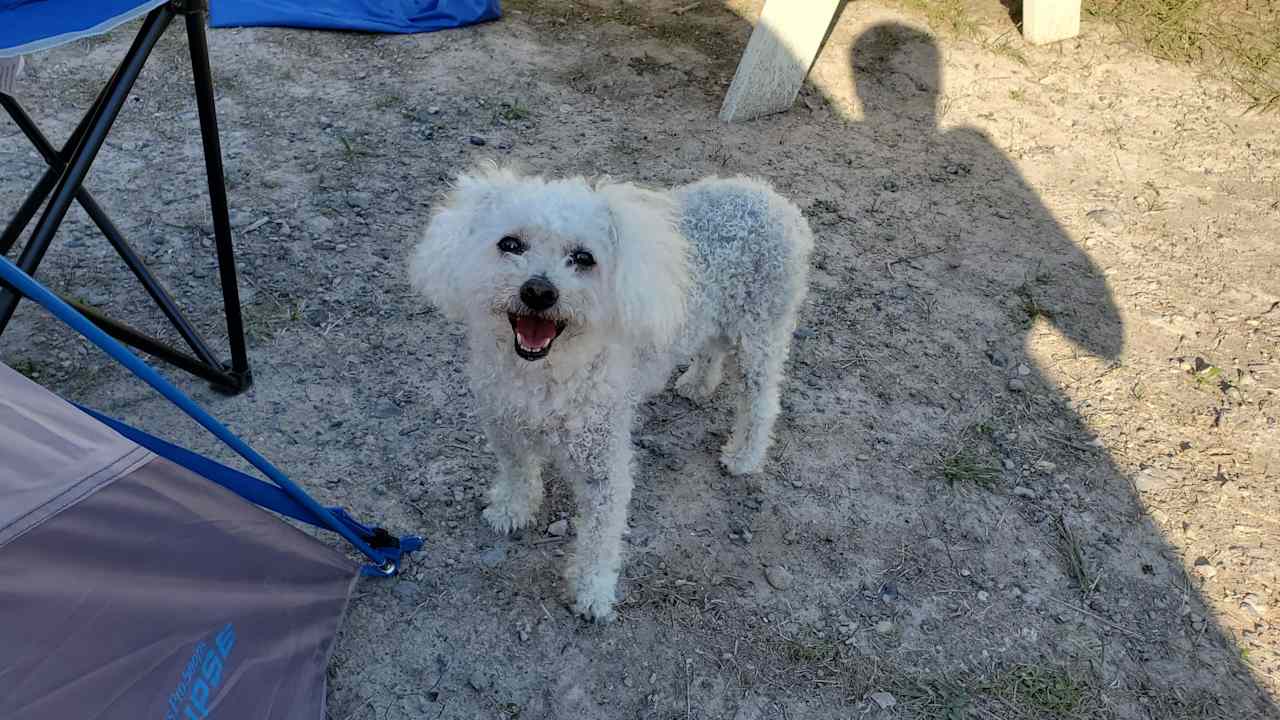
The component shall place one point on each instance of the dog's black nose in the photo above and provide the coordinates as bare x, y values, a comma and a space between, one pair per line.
538, 293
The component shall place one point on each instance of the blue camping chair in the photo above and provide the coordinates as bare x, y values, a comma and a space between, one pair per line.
31, 25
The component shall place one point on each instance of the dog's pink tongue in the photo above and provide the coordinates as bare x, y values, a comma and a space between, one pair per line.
535, 333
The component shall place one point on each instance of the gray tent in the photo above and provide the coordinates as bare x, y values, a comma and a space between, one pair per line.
132, 587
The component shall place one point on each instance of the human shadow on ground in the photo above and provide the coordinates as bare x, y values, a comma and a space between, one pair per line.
990, 244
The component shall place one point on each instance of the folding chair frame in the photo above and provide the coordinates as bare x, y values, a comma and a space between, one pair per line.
62, 183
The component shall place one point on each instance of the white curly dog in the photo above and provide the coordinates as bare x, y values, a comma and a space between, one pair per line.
625, 283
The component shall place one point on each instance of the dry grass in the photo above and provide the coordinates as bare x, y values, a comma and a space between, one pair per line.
1235, 40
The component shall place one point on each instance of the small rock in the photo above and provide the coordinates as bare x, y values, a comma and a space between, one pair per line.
863, 458
1025, 492
239, 218
493, 556
883, 699
477, 140
779, 577
406, 590
317, 225
1254, 606
983, 596
889, 593
359, 200
1023, 370
1007, 463
479, 681
935, 546
1104, 218
998, 358
1204, 568
884, 627
433, 110
95, 296
386, 409
1017, 385
559, 528
1151, 480
1045, 466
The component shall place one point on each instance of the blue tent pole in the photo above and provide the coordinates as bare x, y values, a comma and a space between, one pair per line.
26, 285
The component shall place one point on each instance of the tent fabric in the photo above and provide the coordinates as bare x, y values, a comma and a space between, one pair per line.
156, 593
383, 16
52, 454
28, 26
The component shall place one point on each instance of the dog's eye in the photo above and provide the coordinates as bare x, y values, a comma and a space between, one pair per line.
582, 259
509, 244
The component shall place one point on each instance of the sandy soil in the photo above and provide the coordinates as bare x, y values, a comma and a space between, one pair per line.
1029, 456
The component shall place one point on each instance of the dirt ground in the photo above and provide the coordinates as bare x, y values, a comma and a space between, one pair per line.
1028, 460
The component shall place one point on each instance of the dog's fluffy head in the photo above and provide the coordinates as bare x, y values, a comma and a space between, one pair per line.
555, 261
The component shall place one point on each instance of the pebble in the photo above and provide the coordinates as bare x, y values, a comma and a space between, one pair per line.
983, 596
493, 556
1151, 480
779, 577
406, 589
935, 545
889, 593
95, 296
479, 681
863, 458
1017, 385
477, 140
317, 224
239, 218
883, 699
884, 627
1109, 219
433, 110
1045, 466
1023, 370
386, 409
1204, 568
559, 528
1025, 492
1254, 605
998, 358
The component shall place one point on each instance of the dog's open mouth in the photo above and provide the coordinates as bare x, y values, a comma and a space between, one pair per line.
534, 334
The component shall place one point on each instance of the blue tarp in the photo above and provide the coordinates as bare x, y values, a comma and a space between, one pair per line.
27, 26
383, 16
30, 25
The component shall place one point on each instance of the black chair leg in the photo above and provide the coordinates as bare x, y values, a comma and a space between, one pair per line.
82, 158
132, 260
64, 179
199, 48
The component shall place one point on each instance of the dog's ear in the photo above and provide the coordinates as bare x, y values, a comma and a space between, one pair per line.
651, 273
442, 258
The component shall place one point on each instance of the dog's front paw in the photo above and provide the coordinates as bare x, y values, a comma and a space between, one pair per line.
595, 606
507, 518
740, 462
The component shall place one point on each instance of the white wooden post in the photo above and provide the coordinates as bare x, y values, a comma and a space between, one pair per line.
782, 47
1047, 21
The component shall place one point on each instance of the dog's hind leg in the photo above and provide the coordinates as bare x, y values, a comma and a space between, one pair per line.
761, 358
516, 493
705, 372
